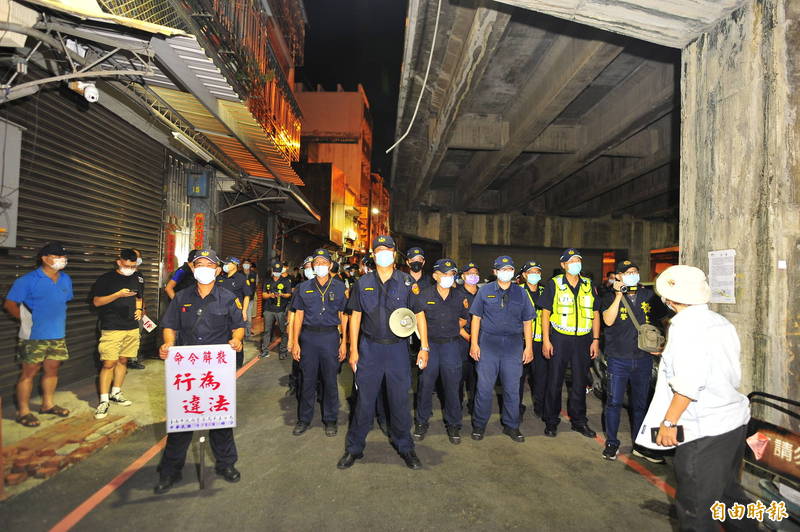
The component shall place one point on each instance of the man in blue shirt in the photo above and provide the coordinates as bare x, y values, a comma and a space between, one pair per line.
181, 278
39, 300
318, 306
502, 318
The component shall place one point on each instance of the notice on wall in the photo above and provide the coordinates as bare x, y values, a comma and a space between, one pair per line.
722, 275
201, 387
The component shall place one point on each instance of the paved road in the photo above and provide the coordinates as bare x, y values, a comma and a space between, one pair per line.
291, 483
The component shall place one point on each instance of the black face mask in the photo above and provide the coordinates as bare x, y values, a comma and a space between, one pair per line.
276, 272
415, 267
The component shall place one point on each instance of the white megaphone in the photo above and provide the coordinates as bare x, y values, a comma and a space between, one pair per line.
403, 322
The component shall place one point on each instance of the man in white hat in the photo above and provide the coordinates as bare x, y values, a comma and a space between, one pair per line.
696, 395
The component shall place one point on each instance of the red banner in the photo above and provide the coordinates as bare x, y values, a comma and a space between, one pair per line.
169, 251
199, 230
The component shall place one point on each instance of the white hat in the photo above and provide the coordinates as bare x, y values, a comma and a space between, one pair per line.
684, 284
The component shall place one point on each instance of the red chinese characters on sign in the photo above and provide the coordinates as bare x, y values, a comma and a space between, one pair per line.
192, 406
199, 230
207, 381
221, 404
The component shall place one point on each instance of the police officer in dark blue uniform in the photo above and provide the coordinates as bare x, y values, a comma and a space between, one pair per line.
446, 311
205, 315
276, 295
501, 342
318, 306
378, 354
235, 281
471, 276
536, 371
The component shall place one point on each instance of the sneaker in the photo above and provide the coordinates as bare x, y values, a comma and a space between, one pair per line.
420, 429
651, 456
135, 364
611, 450
119, 399
264, 354
102, 410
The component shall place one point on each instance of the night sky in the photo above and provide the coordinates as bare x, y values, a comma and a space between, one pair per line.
359, 41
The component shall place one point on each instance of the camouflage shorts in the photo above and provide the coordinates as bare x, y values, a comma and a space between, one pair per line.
37, 351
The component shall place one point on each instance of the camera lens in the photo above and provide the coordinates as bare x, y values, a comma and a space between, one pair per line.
623, 289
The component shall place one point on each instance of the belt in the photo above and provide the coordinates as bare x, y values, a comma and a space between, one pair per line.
383, 341
498, 334
328, 328
444, 340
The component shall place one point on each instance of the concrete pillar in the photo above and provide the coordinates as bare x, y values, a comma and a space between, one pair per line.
740, 162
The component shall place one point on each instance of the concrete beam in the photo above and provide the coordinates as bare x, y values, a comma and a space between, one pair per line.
566, 69
479, 132
647, 95
557, 139
663, 206
461, 70
642, 144
624, 199
673, 23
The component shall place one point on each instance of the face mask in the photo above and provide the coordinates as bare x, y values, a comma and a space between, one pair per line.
664, 300
384, 258
205, 275
534, 278
227, 268
631, 279
321, 271
138, 262
416, 267
309, 273
574, 268
505, 276
245, 267
127, 272
473, 279
446, 281
58, 264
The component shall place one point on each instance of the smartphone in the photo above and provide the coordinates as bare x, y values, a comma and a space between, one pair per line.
654, 433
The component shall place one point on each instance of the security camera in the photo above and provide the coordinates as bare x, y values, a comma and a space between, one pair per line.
87, 90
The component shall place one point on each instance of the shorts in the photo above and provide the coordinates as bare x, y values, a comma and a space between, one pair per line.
37, 351
116, 344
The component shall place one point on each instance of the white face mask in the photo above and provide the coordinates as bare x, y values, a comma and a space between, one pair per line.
309, 273
138, 262
505, 276
321, 270
384, 258
245, 267
127, 272
446, 281
228, 268
59, 264
205, 275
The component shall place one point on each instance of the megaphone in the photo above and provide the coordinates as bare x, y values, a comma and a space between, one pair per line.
403, 322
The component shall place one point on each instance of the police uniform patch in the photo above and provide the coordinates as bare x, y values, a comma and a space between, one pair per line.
238, 303
415, 289
491, 296
382, 239
505, 260
466, 303
280, 286
571, 252
368, 288
309, 291
431, 302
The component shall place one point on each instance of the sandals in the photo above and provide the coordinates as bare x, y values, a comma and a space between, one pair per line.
28, 420
56, 411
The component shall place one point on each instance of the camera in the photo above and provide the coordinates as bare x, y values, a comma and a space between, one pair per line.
623, 289
87, 90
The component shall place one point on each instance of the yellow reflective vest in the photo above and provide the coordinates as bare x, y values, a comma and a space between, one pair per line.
537, 328
570, 315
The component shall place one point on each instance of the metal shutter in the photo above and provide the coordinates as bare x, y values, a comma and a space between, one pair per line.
93, 181
243, 237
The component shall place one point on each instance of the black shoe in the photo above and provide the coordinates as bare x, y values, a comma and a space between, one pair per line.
165, 482
411, 460
331, 430
611, 450
384, 428
653, 457
551, 431
454, 435
230, 473
299, 428
348, 460
135, 364
420, 429
514, 434
585, 430
477, 434
283, 356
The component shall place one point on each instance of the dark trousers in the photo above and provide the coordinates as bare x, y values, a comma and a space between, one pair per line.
500, 356
469, 378
378, 362
222, 445
622, 371
570, 351
535, 373
319, 361
444, 360
239, 359
706, 470
269, 319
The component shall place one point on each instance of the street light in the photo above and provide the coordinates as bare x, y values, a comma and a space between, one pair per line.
376, 210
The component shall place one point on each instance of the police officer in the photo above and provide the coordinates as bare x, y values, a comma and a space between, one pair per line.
501, 341
536, 371
205, 315
251, 273
378, 354
470, 274
570, 337
294, 376
318, 307
446, 310
276, 295
415, 260
235, 281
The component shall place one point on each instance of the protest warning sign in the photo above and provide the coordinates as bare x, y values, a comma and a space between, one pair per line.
201, 387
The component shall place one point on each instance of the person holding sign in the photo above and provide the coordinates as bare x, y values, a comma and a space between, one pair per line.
318, 307
205, 315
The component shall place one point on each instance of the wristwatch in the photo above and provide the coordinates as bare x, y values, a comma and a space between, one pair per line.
668, 424
424, 348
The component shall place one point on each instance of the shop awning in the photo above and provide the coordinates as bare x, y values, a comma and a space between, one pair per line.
284, 200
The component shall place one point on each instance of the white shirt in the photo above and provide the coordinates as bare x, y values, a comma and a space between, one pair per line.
702, 362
